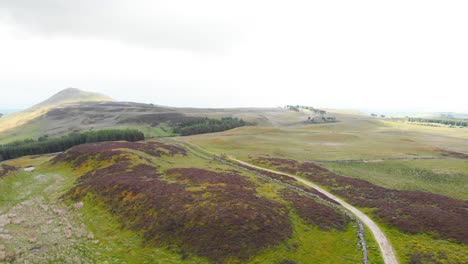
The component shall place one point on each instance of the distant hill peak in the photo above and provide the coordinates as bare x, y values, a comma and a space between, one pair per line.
72, 95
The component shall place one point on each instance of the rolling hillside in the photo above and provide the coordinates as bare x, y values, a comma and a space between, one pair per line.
16, 125
73, 110
168, 202
165, 204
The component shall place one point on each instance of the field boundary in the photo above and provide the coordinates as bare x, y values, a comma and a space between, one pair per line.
382, 159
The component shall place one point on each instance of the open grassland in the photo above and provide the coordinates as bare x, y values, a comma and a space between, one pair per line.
422, 248
445, 176
352, 139
407, 214
442, 130
392, 155
158, 203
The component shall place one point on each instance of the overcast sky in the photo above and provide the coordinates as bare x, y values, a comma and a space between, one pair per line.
215, 53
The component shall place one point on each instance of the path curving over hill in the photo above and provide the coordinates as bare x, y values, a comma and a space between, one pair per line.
386, 248
384, 244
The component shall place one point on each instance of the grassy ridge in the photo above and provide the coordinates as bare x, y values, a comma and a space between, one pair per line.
215, 188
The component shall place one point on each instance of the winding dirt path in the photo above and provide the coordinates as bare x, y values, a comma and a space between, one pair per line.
385, 246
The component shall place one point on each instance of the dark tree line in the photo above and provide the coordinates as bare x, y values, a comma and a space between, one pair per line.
50, 145
462, 123
297, 108
208, 125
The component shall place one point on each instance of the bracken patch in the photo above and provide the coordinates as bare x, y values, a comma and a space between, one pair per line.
410, 211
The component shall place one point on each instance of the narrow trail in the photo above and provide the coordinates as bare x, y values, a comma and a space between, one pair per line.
384, 244
386, 248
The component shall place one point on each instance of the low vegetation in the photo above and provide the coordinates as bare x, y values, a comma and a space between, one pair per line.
189, 213
410, 211
197, 211
187, 125
447, 176
156, 119
315, 213
5, 169
51, 145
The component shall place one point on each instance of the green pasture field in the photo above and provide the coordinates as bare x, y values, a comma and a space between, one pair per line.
448, 177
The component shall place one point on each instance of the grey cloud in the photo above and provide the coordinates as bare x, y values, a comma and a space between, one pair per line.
180, 24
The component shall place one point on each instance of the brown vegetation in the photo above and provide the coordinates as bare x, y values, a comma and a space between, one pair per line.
315, 213
113, 151
207, 213
452, 154
156, 119
5, 169
410, 211
286, 179
419, 257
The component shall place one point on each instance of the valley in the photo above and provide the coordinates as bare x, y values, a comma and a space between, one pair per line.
250, 185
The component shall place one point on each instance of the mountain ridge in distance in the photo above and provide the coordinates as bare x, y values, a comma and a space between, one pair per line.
71, 95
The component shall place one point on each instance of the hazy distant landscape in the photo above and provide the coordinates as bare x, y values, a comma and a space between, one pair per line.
244, 185
233, 132
9, 111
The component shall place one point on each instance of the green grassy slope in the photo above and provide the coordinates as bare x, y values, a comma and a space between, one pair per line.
392, 155
117, 223
445, 176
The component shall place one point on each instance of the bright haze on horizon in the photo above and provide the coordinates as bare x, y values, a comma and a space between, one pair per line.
337, 54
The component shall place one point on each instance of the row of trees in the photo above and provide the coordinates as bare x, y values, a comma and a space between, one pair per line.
450, 122
207, 125
50, 145
319, 119
296, 108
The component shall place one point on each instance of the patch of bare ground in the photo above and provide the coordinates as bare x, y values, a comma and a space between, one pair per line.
36, 231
